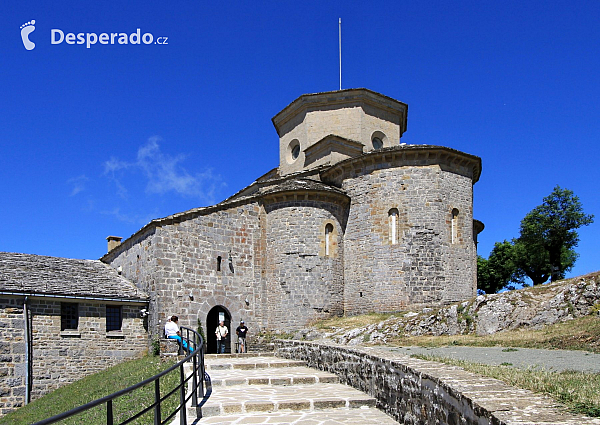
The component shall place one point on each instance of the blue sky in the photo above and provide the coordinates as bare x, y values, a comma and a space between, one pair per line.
98, 141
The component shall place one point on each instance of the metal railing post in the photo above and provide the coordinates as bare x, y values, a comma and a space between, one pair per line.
109, 413
182, 408
201, 372
157, 417
194, 382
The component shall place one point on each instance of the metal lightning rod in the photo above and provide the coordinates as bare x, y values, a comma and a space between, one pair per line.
340, 24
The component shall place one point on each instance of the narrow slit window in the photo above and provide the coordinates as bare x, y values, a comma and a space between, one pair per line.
219, 263
393, 222
454, 225
328, 232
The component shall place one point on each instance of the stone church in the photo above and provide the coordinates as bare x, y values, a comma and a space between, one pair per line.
351, 221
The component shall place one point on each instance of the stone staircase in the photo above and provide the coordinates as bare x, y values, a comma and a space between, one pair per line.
263, 389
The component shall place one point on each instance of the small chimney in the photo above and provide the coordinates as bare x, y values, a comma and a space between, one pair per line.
113, 242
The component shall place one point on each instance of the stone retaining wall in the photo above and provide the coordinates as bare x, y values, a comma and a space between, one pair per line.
416, 391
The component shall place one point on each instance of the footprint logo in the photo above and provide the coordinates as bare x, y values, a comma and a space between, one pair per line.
26, 29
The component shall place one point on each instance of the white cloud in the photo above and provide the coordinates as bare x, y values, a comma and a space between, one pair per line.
138, 219
164, 173
78, 184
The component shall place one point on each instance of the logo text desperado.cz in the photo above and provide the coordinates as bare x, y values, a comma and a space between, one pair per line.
58, 36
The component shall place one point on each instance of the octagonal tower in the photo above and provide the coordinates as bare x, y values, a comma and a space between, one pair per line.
323, 129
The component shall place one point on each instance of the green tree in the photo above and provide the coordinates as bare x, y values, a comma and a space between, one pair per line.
549, 235
499, 270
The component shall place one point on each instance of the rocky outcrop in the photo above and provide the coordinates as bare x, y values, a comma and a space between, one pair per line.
532, 307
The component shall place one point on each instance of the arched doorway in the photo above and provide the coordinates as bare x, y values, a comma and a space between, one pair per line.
213, 317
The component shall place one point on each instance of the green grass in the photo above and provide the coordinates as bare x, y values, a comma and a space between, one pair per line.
579, 391
349, 322
99, 385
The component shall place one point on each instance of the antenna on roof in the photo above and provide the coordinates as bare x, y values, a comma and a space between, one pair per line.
340, 24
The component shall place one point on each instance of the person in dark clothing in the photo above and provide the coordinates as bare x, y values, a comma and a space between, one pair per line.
241, 332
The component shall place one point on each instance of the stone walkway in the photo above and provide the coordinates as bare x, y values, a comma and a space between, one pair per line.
550, 360
262, 389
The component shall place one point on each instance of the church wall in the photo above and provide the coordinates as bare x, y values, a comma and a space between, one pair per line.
460, 268
303, 282
382, 276
137, 261
188, 282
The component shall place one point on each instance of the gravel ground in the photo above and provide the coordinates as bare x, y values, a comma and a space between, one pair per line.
554, 360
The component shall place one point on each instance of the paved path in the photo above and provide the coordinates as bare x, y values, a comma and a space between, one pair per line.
552, 360
250, 389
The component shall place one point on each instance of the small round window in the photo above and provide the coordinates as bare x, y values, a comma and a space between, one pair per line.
377, 143
295, 152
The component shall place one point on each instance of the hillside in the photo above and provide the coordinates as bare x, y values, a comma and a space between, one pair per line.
526, 309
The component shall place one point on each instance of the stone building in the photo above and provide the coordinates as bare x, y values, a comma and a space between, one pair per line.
62, 319
352, 220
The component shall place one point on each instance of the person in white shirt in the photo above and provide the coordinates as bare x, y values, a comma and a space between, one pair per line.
172, 331
221, 333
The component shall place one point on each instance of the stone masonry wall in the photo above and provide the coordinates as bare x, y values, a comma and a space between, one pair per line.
303, 283
460, 268
12, 355
422, 268
188, 282
417, 392
61, 357
137, 260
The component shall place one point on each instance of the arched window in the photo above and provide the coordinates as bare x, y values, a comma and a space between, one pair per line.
328, 236
454, 225
393, 222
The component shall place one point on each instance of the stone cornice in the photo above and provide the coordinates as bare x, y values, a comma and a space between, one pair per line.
340, 97
409, 155
306, 195
478, 226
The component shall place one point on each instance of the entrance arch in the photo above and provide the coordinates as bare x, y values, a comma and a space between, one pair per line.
212, 321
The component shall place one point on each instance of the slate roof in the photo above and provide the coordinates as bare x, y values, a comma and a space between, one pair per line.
40, 275
292, 185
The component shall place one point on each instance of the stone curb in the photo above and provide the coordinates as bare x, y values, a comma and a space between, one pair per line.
415, 391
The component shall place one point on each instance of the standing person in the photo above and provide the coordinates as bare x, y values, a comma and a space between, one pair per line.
241, 332
221, 333
172, 331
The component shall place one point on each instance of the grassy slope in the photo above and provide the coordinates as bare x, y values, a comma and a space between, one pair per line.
99, 385
580, 392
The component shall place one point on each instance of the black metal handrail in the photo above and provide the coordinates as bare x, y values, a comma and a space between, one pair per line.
198, 392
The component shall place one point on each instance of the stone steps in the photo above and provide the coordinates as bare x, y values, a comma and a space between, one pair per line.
284, 376
266, 389
361, 416
248, 363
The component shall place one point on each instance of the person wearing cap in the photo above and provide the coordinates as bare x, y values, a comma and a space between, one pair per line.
241, 332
